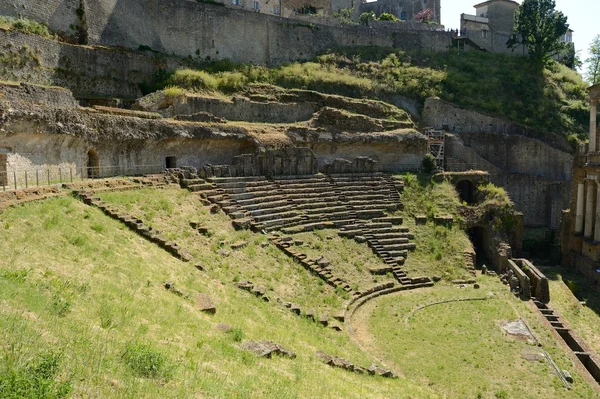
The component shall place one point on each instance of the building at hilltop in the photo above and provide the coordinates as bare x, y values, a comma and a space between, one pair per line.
491, 26
580, 226
404, 10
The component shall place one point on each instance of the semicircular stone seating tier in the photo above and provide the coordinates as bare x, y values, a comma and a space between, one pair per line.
355, 204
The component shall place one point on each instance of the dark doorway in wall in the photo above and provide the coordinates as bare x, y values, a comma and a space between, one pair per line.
93, 164
3, 169
466, 191
478, 237
171, 162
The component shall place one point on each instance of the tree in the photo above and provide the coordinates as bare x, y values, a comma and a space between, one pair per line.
366, 17
592, 75
539, 27
424, 16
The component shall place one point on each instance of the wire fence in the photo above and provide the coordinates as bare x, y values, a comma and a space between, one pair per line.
38, 177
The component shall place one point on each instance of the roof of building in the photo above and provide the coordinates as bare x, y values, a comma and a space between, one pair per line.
485, 3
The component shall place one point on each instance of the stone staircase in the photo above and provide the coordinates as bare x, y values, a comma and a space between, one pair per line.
357, 204
387, 239
299, 203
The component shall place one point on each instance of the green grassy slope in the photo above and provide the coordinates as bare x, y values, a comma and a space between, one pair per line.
460, 348
553, 99
82, 303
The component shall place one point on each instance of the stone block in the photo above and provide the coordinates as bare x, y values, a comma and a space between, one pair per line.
205, 304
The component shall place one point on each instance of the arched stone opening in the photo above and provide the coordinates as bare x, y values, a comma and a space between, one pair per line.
93, 164
466, 191
479, 237
171, 162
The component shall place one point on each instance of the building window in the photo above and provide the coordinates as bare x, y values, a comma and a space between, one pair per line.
235, 2
276, 10
256, 5
403, 16
484, 34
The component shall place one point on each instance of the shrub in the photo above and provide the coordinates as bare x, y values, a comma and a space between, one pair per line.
174, 91
33, 381
388, 17
366, 17
429, 165
237, 334
145, 361
26, 26
193, 80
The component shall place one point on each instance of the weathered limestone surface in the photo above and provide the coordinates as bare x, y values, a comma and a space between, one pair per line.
534, 168
189, 28
85, 70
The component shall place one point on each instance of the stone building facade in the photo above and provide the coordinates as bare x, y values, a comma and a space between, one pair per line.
491, 26
404, 10
580, 227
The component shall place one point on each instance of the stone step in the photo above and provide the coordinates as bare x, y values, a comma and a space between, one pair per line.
252, 200
201, 187
396, 253
225, 180
382, 236
388, 241
273, 216
304, 185
268, 211
328, 210
266, 205
395, 220
256, 195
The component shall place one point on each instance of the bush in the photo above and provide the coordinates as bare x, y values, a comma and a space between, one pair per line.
429, 165
145, 361
37, 380
193, 80
26, 26
366, 17
388, 17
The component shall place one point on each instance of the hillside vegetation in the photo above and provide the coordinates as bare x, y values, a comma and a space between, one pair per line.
553, 100
84, 311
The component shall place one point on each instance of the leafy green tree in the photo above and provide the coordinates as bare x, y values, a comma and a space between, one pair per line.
592, 75
366, 17
388, 17
539, 27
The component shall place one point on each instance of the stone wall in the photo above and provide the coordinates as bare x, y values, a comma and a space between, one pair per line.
85, 70
61, 15
188, 28
28, 94
394, 151
241, 109
535, 169
524, 281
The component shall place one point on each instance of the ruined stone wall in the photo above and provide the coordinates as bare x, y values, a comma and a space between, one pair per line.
440, 114
535, 170
241, 109
61, 15
188, 28
87, 71
394, 152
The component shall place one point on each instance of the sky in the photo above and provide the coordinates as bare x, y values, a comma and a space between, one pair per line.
583, 18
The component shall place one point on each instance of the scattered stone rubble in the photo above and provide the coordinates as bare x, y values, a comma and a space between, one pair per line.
267, 349
137, 225
261, 292
336, 361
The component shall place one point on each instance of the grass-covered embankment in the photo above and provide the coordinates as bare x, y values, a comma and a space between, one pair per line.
552, 99
83, 313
